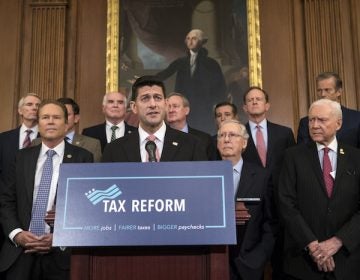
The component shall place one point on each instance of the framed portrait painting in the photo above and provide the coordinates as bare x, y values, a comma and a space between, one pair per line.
208, 51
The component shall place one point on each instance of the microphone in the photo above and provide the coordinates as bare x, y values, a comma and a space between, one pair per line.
150, 147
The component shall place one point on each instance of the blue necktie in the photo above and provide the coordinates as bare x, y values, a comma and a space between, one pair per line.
37, 224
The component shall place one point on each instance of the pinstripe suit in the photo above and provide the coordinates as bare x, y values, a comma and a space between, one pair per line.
310, 215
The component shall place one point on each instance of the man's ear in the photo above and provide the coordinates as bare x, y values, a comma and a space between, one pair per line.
187, 110
133, 107
76, 118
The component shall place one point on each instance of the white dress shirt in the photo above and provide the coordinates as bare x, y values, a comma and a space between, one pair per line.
159, 141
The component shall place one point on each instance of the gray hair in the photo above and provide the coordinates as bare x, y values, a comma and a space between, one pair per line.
185, 101
119, 92
199, 34
22, 100
242, 129
334, 106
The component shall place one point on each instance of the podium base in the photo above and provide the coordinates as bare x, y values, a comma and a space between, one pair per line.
150, 263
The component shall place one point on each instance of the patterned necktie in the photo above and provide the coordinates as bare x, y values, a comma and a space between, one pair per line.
27, 140
152, 138
260, 145
328, 179
113, 134
37, 224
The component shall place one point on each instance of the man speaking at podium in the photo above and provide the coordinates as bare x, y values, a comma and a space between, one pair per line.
153, 141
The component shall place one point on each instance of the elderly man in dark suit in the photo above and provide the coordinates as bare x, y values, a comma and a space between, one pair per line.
114, 109
178, 108
255, 241
319, 195
30, 191
149, 104
329, 86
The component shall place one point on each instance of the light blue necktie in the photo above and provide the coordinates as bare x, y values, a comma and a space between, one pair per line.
37, 224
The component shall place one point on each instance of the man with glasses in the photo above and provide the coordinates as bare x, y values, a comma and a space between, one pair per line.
266, 147
256, 240
329, 86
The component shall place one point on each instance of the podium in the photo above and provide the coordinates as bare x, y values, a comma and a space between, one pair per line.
150, 263
114, 234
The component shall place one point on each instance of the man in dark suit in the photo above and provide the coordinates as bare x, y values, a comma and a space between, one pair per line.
88, 143
255, 240
329, 86
178, 108
199, 78
25, 253
13, 140
276, 139
114, 109
319, 195
149, 104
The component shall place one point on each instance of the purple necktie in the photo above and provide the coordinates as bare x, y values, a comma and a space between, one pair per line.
27, 140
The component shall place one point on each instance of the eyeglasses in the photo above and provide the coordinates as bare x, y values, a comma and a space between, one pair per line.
230, 135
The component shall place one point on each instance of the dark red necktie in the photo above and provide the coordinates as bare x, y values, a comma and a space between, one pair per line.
328, 179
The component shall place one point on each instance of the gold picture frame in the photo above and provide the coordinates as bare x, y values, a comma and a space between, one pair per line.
112, 44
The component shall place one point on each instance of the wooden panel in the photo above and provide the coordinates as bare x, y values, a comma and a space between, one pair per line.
150, 263
279, 71
10, 29
43, 62
91, 60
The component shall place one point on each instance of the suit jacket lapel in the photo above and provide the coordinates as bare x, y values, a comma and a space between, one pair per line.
251, 148
315, 162
270, 143
30, 164
246, 180
132, 144
340, 167
170, 145
77, 140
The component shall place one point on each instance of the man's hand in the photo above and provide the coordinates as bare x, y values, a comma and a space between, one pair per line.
327, 266
330, 247
34, 244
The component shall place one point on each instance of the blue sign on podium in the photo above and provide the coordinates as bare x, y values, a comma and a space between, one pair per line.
130, 204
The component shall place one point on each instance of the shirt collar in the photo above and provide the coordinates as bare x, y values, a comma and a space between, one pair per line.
185, 128
238, 166
35, 129
159, 134
59, 149
332, 146
109, 124
262, 124
70, 135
